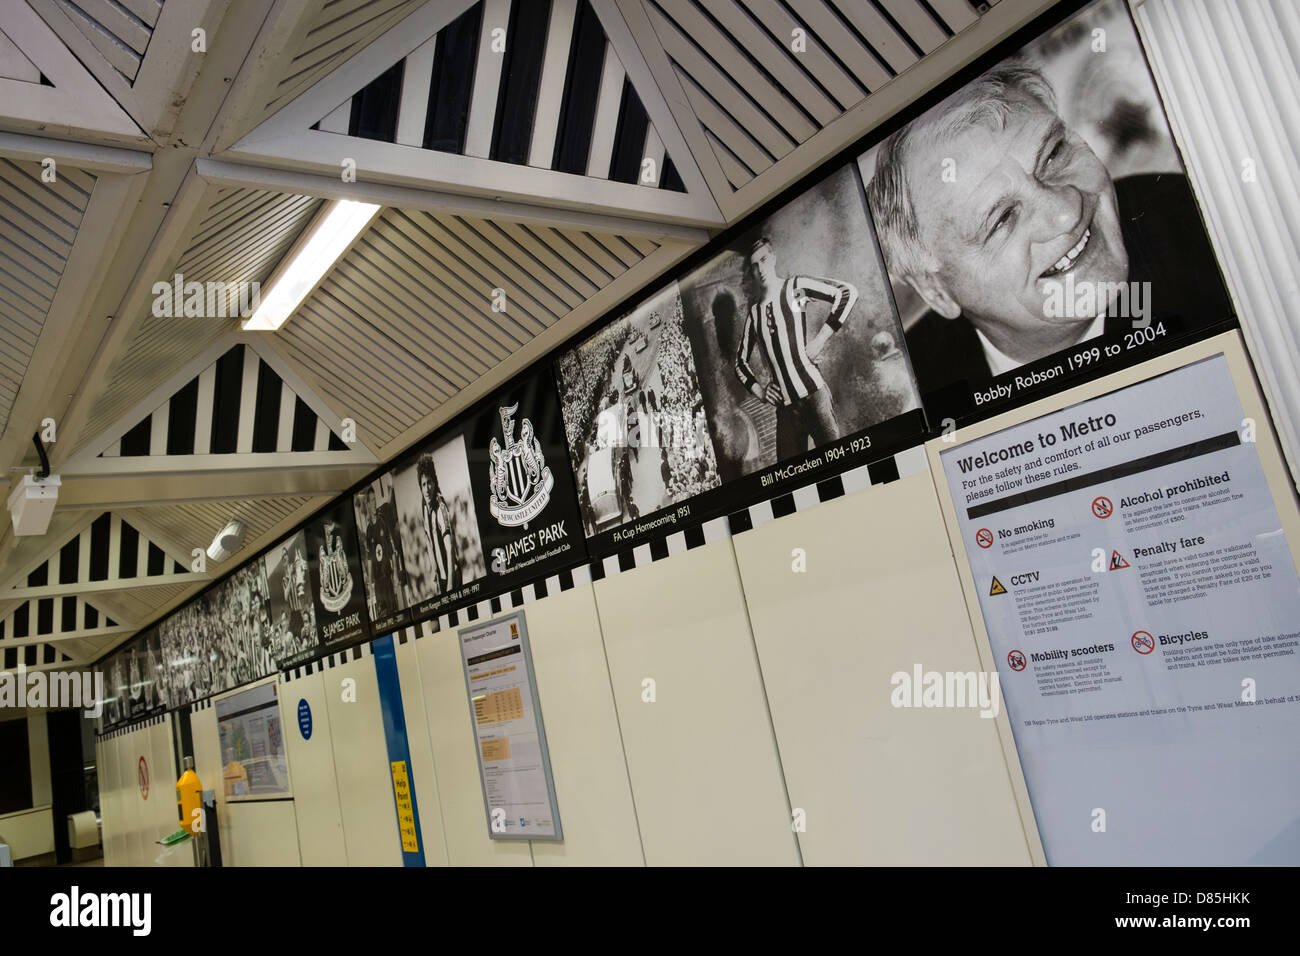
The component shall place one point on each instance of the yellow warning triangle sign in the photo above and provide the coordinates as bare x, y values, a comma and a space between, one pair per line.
997, 587
1117, 561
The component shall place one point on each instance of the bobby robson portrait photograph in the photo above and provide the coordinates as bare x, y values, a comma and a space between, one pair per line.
437, 523
794, 334
1039, 210
634, 416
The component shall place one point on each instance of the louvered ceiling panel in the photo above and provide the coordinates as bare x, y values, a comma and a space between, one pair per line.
143, 604
340, 29
406, 320
763, 76
241, 238
38, 224
119, 29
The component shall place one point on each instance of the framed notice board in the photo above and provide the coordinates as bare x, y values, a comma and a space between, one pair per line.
1128, 552
509, 737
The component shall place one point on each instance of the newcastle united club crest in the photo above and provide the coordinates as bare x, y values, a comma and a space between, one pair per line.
335, 576
520, 481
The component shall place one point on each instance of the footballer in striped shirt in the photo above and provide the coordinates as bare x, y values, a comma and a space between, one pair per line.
776, 324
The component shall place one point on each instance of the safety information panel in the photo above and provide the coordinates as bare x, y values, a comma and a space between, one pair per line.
1143, 609
515, 769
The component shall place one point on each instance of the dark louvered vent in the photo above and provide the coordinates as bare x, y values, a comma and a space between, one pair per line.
573, 55
207, 420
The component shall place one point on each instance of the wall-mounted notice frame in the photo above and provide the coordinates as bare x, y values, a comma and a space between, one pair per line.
514, 765
1136, 590
253, 757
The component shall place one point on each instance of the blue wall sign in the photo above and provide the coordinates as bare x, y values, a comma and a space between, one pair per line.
304, 718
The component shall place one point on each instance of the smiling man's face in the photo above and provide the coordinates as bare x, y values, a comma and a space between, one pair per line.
1032, 204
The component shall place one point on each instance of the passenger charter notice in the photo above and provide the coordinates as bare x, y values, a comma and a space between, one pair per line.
1143, 608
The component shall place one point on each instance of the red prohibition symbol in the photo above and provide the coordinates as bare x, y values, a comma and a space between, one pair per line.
984, 538
1143, 642
1016, 660
1102, 507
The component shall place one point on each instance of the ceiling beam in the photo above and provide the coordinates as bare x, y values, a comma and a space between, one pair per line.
68, 636
115, 584
142, 491
225, 173
89, 156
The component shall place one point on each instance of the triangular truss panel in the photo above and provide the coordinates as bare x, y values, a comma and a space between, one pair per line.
237, 406
103, 554
530, 100
143, 52
49, 631
64, 96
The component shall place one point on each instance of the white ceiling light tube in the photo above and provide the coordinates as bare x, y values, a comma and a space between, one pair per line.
329, 237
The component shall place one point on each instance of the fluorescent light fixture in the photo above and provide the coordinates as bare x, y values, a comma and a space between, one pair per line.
330, 235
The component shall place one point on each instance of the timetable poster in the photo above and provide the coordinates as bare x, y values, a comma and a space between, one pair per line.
1038, 225
1143, 610
333, 559
514, 766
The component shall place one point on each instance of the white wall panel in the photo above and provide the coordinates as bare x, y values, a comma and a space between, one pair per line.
451, 737
422, 771
259, 833
582, 735
129, 754
879, 785
317, 815
365, 784
702, 758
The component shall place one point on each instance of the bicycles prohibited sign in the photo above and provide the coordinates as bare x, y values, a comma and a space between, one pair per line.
1143, 642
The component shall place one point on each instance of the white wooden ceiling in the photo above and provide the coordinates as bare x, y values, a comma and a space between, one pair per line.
212, 164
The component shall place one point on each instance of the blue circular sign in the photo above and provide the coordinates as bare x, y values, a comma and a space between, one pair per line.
304, 718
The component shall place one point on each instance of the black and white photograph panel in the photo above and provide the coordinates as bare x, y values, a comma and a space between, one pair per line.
794, 333
179, 636
437, 522
162, 674
244, 644
382, 559
293, 612
334, 559
634, 416
1038, 214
